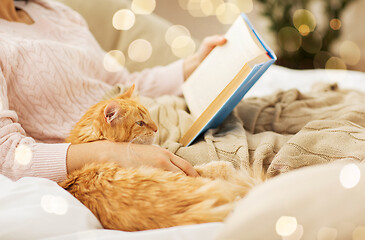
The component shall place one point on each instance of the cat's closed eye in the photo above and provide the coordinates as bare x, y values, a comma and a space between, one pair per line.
140, 123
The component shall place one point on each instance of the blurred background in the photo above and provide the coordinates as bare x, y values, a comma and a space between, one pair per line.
304, 34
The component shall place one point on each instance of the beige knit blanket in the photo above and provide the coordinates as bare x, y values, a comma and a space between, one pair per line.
275, 134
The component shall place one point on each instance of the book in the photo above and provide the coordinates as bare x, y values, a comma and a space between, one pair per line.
223, 78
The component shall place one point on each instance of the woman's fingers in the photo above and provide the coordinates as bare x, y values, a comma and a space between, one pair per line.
172, 168
209, 43
214, 40
184, 166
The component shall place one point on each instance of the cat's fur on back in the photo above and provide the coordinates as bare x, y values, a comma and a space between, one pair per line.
144, 198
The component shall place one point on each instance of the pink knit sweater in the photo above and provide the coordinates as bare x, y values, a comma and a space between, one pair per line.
51, 72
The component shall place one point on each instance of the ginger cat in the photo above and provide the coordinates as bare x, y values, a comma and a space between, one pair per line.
147, 198
120, 120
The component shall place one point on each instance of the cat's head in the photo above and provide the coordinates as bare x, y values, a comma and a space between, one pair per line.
125, 120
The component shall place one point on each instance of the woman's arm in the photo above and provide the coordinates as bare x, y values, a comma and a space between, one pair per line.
126, 155
20, 155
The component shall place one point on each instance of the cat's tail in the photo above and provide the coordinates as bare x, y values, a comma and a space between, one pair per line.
221, 195
247, 179
214, 201
244, 178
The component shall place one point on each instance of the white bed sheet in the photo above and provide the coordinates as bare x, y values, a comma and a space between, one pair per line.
206, 231
34, 208
277, 77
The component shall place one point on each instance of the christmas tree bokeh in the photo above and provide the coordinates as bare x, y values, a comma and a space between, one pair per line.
301, 43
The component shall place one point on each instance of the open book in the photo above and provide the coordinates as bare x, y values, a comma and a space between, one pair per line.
224, 77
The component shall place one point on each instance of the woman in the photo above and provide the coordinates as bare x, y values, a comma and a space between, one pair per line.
50, 73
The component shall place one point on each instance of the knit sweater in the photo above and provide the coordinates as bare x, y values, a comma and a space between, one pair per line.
51, 72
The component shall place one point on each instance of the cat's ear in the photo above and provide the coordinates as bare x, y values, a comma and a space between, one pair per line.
128, 93
112, 111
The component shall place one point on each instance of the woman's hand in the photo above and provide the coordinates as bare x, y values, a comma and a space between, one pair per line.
126, 155
193, 61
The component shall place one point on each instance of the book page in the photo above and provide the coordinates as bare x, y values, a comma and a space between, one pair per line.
221, 66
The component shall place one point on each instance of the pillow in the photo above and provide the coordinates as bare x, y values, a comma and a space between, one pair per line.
309, 203
35, 208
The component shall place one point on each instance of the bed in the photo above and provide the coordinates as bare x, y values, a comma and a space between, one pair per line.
35, 208
312, 200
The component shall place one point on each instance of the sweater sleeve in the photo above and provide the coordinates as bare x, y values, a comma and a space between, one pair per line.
20, 155
152, 82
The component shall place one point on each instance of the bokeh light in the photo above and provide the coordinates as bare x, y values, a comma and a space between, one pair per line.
303, 17
114, 61
227, 13
194, 8
335, 63
245, 6
202, 8
183, 46
350, 52
123, 19
312, 44
183, 4
23, 154
207, 7
335, 24
174, 32
286, 225
54, 204
304, 30
350, 175
296, 235
289, 39
143, 6
321, 58
216, 4
326, 233
140, 50
358, 233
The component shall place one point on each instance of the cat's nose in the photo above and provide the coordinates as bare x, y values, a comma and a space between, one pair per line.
154, 127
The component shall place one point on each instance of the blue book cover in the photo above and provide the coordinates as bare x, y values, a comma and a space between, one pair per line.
242, 34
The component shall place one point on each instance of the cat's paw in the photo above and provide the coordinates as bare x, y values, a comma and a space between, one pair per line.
216, 169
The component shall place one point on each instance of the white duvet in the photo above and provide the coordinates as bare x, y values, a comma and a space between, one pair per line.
35, 208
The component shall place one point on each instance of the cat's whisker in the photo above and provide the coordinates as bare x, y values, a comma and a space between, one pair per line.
129, 148
131, 154
154, 138
137, 139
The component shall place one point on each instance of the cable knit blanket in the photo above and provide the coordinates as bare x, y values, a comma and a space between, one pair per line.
275, 134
